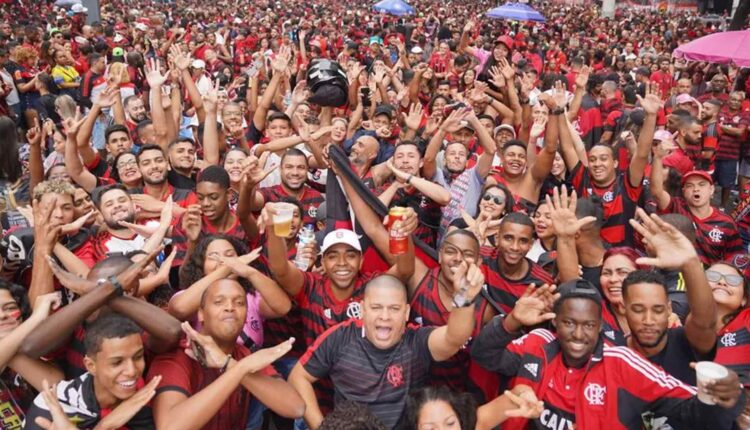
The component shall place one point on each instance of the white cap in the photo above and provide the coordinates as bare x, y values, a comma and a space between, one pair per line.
237, 21
118, 38
78, 8
341, 236
141, 26
630, 57
199, 64
505, 127
416, 50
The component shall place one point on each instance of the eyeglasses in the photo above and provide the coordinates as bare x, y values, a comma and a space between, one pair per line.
731, 280
497, 199
131, 163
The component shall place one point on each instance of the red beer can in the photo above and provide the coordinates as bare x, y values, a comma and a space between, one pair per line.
397, 244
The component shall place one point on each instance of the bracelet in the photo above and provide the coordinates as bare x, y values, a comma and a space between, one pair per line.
224, 367
524, 101
118, 286
409, 178
557, 111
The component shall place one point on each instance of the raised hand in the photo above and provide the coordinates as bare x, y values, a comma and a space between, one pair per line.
673, 250
263, 358
44, 234
280, 63
46, 303
59, 421
153, 75
540, 124
211, 99
652, 103
255, 171
532, 308
559, 95
407, 225
126, 410
108, 97
179, 58
468, 280
452, 123
192, 222
563, 215
130, 278
69, 280
414, 118
507, 70
300, 93
34, 134
582, 79
203, 349
73, 227
497, 77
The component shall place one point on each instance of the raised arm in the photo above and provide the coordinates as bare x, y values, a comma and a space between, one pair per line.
289, 277
543, 161
56, 329
211, 127
182, 61
76, 169
155, 81
651, 104
463, 46
444, 342
674, 251
567, 226
280, 65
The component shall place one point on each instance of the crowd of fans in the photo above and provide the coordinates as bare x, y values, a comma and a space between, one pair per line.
570, 234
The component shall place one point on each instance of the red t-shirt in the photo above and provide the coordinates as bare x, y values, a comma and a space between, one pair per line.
182, 374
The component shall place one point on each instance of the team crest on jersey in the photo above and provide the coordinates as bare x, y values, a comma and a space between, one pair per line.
419, 320
395, 375
327, 313
715, 235
729, 339
736, 119
608, 196
354, 310
594, 394
312, 212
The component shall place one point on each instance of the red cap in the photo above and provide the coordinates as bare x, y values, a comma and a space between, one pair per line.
702, 173
505, 40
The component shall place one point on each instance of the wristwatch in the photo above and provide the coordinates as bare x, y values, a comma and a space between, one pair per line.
461, 301
118, 286
557, 111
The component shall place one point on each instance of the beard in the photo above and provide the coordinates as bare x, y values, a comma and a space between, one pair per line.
115, 224
150, 181
652, 344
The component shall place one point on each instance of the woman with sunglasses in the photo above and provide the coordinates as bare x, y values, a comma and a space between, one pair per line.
730, 291
491, 208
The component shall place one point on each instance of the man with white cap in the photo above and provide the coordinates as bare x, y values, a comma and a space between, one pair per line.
332, 297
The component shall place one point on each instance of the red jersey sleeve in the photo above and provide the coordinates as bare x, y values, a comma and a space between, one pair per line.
175, 370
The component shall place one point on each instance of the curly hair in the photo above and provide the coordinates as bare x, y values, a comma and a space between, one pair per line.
192, 271
25, 56
350, 415
463, 405
56, 187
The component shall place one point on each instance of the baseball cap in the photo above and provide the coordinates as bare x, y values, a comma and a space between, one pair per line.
683, 98
199, 64
702, 173
505, 40
338, 236
466, 125
504, 127
118, 52
416, 50
78, 8
376, 40
141, 26
579, 288
118, 38
662, 135
384, 109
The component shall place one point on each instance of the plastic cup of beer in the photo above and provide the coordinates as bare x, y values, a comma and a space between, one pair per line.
705, 372
282, 218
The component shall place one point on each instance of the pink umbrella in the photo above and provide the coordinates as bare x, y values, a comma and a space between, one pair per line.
723, 48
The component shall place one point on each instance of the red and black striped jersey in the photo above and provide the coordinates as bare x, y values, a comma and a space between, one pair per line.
716, 235
589, 121
427, 309
310, 200
733, 347
379, 379
321, 310
277, 330
619, 199
729, 146
505, 292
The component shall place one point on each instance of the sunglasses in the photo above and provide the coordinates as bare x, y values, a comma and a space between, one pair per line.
497, 199
731, 280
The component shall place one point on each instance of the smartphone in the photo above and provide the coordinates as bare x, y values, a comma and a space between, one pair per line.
366, 102
451, 107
